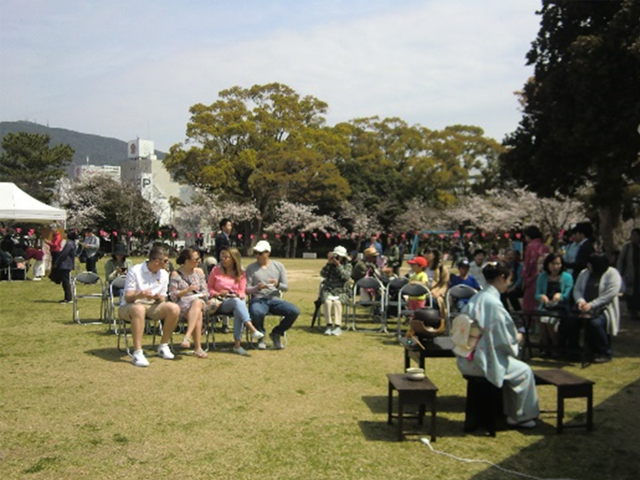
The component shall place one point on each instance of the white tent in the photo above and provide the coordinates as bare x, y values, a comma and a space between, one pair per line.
19, 206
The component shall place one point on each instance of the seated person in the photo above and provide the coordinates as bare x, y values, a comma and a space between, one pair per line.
266, 278
495, 355
228, 282
463, 278
335, 289
145, 296
553, 290
418, 276
596, 295
188, 288
117, 265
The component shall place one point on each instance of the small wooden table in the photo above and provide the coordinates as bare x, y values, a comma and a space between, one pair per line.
412, 392
437, 348
568, 385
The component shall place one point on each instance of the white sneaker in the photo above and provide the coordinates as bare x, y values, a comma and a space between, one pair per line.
328, 331
139, 360
337, 331
257, 335
165, 352
262, 345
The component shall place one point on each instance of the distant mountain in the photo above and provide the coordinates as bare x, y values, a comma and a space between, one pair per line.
100, 150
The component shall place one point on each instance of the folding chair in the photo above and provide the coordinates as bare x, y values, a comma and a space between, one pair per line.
455, 293
318, 312
87, 279
371, 302
283, 339
110, 313
393, 292
411, 290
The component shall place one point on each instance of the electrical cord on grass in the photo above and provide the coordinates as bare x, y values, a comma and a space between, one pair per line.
486, 462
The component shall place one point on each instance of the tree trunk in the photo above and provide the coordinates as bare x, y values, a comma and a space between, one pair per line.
609, 217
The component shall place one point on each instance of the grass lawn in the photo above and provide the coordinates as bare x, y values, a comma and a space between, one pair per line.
72, 406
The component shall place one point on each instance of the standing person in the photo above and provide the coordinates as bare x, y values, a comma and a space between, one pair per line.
514, 291
266, 279
495, 356
373, 242
145, 296
336, 275
439, 276
582, 234
570, 253
188, 288
91, 245
228, 282
553, 290
629, 268
534, 255
393, 256
222, 239
65, 261
596, 294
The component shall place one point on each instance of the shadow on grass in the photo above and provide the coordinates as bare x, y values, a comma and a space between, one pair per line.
577, 453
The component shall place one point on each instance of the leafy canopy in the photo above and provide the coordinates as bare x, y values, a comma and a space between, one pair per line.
33, 165
262, 145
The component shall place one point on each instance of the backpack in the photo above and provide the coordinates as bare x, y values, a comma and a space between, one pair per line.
465, 334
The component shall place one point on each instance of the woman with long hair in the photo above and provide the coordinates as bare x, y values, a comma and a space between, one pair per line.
495, 356
188, 288
228, 282
439, 278
596, 295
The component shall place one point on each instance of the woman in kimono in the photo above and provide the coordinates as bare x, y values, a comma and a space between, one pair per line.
495, 354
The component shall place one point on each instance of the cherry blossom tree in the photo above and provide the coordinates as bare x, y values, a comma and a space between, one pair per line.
295, 219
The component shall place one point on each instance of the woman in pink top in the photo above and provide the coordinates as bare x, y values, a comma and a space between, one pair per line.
229, 282
534, 256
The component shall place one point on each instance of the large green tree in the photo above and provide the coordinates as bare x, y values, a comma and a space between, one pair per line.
32, 164
582, 106
392, 164
263, 145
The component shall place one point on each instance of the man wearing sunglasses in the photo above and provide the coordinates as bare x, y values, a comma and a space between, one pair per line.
266, 279
145, 296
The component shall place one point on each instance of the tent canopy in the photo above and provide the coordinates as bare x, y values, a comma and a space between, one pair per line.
19, 206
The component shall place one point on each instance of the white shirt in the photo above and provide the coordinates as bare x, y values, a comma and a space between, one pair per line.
140, 278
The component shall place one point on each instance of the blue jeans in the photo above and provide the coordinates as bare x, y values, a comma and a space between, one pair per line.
237, 308
261, 307
597, 336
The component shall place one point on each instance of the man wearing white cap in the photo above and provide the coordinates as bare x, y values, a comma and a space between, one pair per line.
266, 279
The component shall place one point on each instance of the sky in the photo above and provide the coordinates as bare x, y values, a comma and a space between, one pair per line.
133, 68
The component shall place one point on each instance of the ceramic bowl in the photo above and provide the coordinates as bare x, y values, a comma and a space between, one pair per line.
414, 373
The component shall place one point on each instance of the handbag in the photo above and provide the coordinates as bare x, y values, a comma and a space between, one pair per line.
82, 258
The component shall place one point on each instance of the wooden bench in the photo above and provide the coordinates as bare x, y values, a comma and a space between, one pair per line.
568, 385
483, 406
412, 392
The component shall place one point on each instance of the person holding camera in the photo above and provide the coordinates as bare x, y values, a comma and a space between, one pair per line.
117, 265
336, 275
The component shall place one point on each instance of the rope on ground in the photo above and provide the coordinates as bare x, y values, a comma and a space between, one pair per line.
486, 462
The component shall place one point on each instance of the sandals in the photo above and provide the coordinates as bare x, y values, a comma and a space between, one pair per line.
200, 353
186, 343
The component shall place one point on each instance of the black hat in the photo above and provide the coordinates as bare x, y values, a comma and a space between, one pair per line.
463, 262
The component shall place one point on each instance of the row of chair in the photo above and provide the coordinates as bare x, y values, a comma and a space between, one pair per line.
382, 300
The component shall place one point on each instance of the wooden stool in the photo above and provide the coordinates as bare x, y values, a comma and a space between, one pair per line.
568, 385
412, 392
484, 405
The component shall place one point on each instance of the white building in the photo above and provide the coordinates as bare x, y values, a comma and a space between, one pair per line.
83, 171
143, 168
